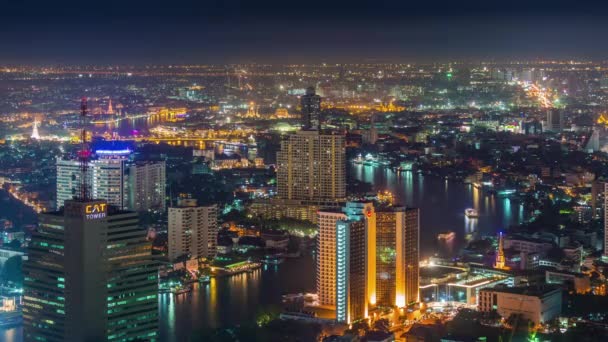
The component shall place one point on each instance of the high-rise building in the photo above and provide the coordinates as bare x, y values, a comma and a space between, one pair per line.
90, 277
397, 254
555, 120
311, 110
192, 230
354, 262
411, 253
146, 185
388, 222
138, 186
367, 256
326, 256
312, 167
106, 180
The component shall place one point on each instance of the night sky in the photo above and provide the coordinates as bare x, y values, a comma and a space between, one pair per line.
232, 31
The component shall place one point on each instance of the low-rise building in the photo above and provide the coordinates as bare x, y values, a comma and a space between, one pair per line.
579, 282
537, 304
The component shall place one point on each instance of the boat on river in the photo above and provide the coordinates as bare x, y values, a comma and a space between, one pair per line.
471, 213
446, 236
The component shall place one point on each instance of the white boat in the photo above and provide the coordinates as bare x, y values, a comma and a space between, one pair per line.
448, 235
471, 213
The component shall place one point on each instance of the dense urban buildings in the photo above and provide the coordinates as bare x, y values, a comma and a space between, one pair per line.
90, 277
429, 189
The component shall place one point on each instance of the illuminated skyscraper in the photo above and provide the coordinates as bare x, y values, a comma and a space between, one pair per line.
388, 222
312, 167
192, 230
367, 256
311, 110
354, 249
90, 277
397, 256
411, 253
326, 256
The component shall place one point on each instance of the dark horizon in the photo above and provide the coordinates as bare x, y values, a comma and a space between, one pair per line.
280, 32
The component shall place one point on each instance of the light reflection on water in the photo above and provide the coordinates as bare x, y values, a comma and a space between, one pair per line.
442, 204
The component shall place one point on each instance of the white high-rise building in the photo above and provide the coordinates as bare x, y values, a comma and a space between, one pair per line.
137, 186
192, 230
146, 183
106, 180
326, 256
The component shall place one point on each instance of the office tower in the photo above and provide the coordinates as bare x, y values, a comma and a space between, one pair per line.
311, 110
192, 230
106, 180
311, 166
146, 185
90, 277
555, 120
138, 186
397, 254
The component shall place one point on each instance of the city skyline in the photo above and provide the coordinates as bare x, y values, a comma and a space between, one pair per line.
311, 171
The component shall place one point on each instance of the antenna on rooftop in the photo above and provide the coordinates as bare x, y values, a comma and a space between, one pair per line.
84, 153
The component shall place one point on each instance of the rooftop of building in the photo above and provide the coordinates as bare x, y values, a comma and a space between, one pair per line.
535, 291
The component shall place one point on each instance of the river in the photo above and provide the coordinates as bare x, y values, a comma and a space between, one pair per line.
238, 299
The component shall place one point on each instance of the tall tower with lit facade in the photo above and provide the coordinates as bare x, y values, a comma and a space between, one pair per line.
367, 256
90, 277
409, 273
311, 110
312, 167
354, 262
397, 255
326, 256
